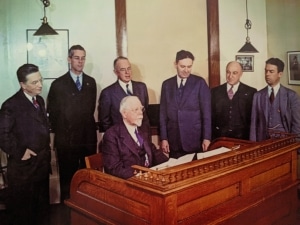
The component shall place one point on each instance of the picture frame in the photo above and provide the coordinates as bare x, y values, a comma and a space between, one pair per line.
247, 62
49, 52
293, 67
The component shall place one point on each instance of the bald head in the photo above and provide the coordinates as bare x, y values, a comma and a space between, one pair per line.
234, 72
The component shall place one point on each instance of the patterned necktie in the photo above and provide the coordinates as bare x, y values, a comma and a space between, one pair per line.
35, 103
230, 92
272, 96
128, 90
78, 84
139, 138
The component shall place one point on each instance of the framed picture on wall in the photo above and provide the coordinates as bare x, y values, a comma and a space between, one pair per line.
293, 67
247, 62
48, 52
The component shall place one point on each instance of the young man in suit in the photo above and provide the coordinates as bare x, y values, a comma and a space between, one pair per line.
25, 137
231, 105
111, 96
185, 110
275, 107
71, 106
125, 144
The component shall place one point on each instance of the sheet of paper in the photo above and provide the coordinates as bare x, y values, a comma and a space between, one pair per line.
174, 162
217, 151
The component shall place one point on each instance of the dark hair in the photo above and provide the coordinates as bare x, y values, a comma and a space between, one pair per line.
73, 48
276, 62
25, 70
117, 59
182, 54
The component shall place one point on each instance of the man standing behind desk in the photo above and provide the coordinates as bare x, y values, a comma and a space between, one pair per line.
111, 96
71, 106
185, 110
25, 137
231, 105
275, 107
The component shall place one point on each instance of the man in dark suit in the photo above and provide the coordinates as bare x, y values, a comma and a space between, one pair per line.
275, 107
111, 96
231, 112
71, 106
185, 110
124, 144
25, 137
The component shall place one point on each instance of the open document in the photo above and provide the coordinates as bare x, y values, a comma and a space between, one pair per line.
189, 157
217, 151
174, 162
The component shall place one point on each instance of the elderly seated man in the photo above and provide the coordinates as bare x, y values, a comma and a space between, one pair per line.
124, 144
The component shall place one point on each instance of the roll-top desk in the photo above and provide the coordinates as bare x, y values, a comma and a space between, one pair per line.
255, 183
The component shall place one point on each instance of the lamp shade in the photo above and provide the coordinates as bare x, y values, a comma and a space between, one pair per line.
45, 29
248, 48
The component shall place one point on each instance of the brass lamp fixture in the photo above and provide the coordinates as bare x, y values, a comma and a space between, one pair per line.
248, 47
45, 28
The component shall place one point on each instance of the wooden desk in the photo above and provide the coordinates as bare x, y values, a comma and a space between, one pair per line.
254, 184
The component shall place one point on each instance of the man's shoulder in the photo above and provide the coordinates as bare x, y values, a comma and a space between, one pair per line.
138, 83
110, 87
247, 87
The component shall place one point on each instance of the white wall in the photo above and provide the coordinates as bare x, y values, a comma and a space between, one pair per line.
232, 17
91, 23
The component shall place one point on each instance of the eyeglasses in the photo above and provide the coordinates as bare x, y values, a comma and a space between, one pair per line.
123, 70
78, 58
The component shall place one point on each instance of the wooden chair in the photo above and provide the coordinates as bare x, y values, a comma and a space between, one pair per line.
94, 162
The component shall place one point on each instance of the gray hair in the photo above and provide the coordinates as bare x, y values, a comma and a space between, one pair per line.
124, 103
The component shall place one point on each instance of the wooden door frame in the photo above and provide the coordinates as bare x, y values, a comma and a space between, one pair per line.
212, 37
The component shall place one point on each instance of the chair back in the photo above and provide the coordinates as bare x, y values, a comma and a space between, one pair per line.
94, 162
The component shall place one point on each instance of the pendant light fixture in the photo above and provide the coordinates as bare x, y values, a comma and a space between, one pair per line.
45, 28
248, 47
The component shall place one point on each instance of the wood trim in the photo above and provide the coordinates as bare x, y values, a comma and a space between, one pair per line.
212, 37
121, 27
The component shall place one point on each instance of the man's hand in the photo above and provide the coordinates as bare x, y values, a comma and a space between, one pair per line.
205, 144
28, 153
165, 146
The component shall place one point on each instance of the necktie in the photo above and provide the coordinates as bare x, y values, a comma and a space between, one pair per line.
128, 90
230, 92
140, 143
78, 84
272, 96
139, 138
181, 88
35, 103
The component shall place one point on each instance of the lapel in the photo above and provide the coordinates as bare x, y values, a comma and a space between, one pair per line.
118, 92
283, 100
265, 103
188, 88
127, 140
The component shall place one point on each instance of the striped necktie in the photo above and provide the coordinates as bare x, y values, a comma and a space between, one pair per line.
35, 103
78, 84
230, 92
128, 90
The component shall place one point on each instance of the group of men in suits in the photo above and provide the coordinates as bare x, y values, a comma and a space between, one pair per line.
190, 116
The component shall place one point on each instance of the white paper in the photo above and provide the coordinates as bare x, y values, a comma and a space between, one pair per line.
174, 162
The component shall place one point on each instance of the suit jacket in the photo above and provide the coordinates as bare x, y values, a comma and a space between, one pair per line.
219, 99
71, 112
23, 126
186, 121
289, 108
109, 104
120, 152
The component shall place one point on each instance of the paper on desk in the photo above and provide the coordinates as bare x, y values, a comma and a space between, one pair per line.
217, 151
174, 162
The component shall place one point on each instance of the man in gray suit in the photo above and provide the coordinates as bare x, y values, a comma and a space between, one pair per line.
275, 107
111, 96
